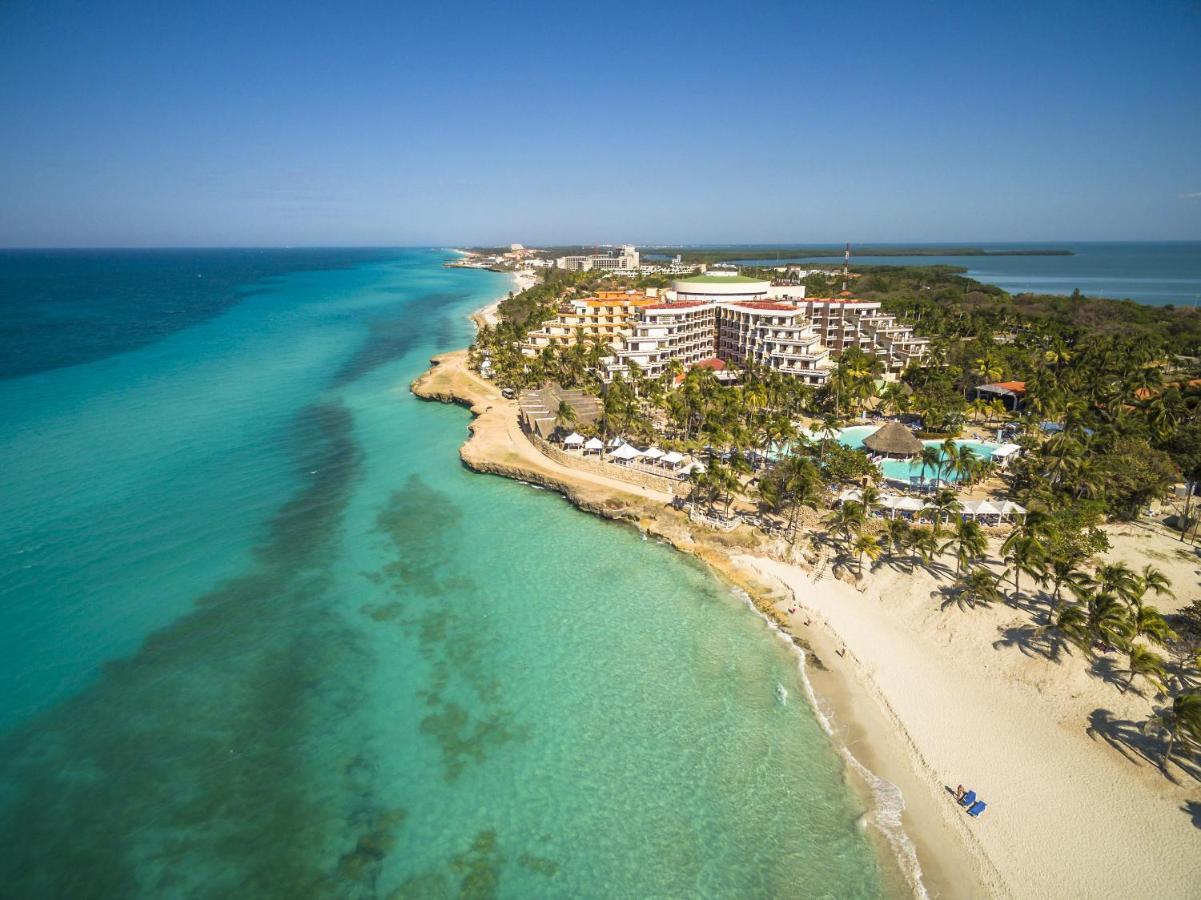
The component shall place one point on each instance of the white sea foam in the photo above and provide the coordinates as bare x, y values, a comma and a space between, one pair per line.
888, 803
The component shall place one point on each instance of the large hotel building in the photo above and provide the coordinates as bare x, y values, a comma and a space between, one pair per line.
731, 317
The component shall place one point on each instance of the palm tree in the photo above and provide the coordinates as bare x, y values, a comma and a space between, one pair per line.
1109, 619
949, 457
1180, 722
930, 457
1023, 556
1118, 579
1062, 572
976, 588
803, 486
865, 545
965, 464
1141, 661
896, 537
869, 496
969, 542
925, 543
847, 518
565, 414
1070, 627
944, 504
1155, 580
1148, 622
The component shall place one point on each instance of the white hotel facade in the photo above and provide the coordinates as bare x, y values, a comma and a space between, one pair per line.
750, 321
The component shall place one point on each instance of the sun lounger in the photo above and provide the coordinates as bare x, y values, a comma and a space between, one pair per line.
976, 808
968, 799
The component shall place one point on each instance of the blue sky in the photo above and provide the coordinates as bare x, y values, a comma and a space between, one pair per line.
130, 124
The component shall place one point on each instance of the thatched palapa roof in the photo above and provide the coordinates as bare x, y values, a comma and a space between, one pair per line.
894, 439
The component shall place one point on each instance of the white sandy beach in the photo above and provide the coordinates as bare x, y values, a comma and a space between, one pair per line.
1071, 813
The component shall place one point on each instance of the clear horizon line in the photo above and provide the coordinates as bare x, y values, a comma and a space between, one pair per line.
806, 245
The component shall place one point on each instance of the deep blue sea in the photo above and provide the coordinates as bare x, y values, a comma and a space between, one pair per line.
1157, 274
264, 636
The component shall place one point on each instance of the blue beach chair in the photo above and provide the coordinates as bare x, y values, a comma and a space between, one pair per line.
968, 799
976, 808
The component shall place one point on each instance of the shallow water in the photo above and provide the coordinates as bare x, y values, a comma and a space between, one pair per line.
266, 636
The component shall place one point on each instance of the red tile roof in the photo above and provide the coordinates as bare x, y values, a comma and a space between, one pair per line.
713, 363
1018, 387
766, 304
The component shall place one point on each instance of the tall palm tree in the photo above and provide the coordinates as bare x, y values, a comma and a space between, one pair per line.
870, 498
1109, 619
944, 505
802, 486
931, 458
1179, 722
1144, 662
565, 414
1070, 627
1023, 556
969, 543
1148, 622
896, 537
846, 519
976, 588
1061, 572
1118, 579
863, 545
948, 457
1155, 580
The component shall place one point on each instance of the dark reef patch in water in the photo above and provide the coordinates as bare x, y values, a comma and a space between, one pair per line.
438, 611
391, 337
188, 768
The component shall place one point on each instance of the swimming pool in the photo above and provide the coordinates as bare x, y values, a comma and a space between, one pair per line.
905, 469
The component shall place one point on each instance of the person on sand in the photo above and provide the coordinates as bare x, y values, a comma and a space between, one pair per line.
959, 794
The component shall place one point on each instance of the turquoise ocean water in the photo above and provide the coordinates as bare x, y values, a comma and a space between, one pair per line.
265, 636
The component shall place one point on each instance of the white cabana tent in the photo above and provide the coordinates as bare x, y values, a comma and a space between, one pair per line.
909, 504
593, 445
1001, 455
672, 458
851, 494
615, 442
625, 453
575, 439
980, 508
698, 467
1009, 508
653, 454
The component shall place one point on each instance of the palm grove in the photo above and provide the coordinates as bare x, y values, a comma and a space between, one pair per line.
1111, 378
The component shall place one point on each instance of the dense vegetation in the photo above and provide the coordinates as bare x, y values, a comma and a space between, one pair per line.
729, 254
1111, 419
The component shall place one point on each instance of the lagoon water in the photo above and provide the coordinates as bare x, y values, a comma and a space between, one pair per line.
1154, 273
265, 636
